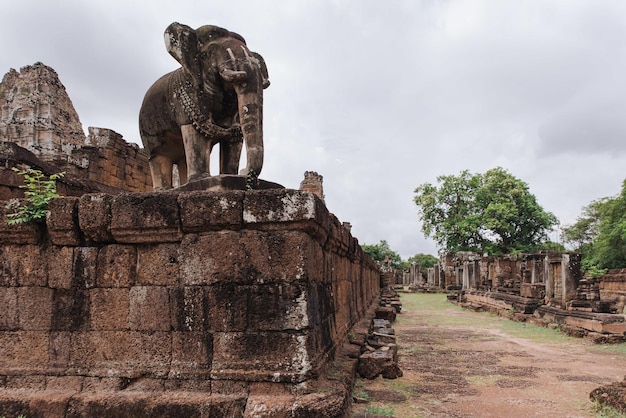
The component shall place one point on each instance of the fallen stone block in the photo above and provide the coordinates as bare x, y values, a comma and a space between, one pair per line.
613, 396
385, 313
384, 338
373, 364
397, 305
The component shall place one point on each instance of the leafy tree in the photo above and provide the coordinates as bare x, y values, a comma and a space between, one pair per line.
586, 228
492, 212
609, 247
599, 234
423, 260
448, 213
381, 251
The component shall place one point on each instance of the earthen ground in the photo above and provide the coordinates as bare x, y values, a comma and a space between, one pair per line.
459, 363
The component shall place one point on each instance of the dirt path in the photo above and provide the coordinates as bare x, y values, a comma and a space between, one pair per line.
459, 363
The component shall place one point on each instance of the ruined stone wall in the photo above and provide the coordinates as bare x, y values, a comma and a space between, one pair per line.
169, 291
109, 159
609, 289
37, 114
554, 276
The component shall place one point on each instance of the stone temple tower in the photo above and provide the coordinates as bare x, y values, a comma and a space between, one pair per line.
36, 113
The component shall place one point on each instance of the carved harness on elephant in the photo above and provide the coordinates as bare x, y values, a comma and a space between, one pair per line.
184, 89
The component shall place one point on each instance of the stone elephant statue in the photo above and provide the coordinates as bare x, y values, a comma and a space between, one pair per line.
215, 97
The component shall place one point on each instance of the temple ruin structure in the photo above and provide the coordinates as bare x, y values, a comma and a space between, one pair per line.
39, 127
180, 303
546, 286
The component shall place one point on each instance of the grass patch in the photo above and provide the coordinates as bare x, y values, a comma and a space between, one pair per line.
484, 380
619, 349
363, 394
440, 312
603, 411
383, 411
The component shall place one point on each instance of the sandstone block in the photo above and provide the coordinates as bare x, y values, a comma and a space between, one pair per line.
387, 313
138, 404
8, 265
249, 257
228, 305
109, 309
34, 308
23, 350
64, 383
117, 266
158, 265
121, 353
533, 290
278, 307
60, 261
59, 349
188, 384
102, 384
32, 382
256, 356
70, 309
188, 309
211, 211
266, 209
374, 363
85, 269
191, 355
149, 308
94, 217
146, 218
25, 233
8, 310
31, 267
384, 337
62, 221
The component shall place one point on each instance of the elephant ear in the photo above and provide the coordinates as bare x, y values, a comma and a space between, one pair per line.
181, 42
264, 74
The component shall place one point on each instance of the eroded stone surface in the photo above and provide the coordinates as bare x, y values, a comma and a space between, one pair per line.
253, 308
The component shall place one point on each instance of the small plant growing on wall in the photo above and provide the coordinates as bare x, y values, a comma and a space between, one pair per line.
39, 190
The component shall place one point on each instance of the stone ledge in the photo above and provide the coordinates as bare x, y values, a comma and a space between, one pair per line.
589, 321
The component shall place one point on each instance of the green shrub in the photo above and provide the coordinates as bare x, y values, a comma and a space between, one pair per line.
39, 191
380, 411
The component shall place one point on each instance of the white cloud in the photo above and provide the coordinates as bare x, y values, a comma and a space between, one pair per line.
378, 97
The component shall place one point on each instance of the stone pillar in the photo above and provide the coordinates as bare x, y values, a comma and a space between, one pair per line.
313, 183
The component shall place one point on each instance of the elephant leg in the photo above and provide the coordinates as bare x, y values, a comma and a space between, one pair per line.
230, 154
209, 149
182, 171
195, 152
161, 170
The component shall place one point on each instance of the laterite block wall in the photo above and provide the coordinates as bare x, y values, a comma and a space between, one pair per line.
170, 291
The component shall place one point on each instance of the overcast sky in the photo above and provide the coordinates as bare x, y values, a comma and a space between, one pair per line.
376, 96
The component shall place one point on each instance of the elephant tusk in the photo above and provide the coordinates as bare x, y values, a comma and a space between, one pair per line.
230, 52
233, 76
245, 51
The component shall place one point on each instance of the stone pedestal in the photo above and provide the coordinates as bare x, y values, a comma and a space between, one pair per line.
241, 293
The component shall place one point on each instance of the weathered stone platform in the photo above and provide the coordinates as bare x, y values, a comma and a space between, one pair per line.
501, 301
181, 304
602, 323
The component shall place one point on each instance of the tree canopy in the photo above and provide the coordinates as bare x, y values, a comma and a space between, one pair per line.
600, 233
423, 260
379, 252
492, 212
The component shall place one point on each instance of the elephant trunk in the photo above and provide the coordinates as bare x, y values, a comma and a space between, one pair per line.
251, 120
